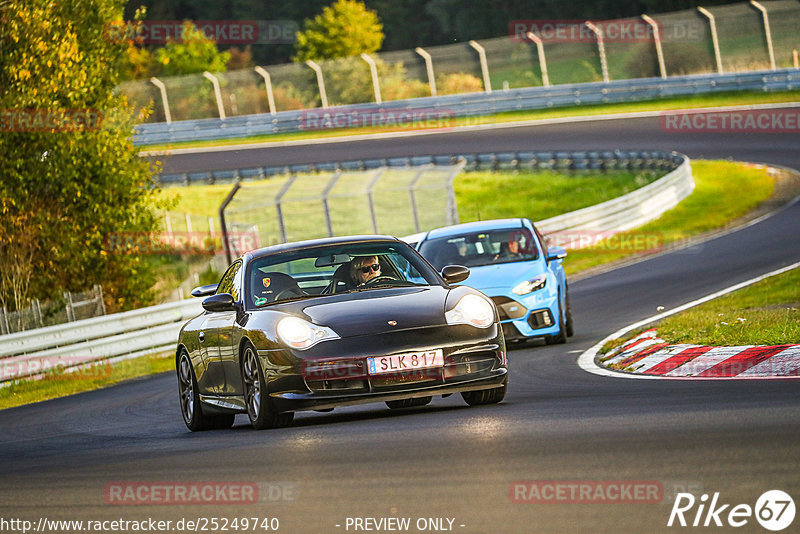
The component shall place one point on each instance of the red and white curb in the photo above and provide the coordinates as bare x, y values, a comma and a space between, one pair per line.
652, 358
650, 355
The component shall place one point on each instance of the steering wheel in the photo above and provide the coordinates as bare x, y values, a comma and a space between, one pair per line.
288, 292
380, 279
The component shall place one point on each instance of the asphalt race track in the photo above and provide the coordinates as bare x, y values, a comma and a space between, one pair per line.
449, 461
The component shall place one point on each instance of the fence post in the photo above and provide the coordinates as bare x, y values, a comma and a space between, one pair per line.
99, 291
428, 67
487, 82
278, 199
164, 101
70, 309
325, 192
412, 196
601, 48
4, 324
542, 62
188, 225
714, 38
659, 50
452, 207
168, 223
370, 188
767, 31
211, 233
373, 70
268, 83
217, 93
323, 95
37, 312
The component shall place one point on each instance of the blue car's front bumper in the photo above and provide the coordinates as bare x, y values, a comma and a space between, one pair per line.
525, 316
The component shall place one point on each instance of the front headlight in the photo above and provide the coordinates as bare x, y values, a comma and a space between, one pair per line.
472, 310
529, 286
300, 334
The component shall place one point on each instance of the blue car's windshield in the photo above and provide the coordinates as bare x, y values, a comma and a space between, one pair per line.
481, 248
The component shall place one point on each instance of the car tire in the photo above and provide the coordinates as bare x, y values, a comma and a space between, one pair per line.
408, 403
570, 325
191, 407
485, 396
561, 336
256, 397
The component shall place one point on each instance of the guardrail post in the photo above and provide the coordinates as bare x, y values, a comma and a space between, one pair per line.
795, 59
659, 50
268, 84
373, 71
487, 82
428, 67
767, 32
323, 95
217, 93
601, 48
164, 101
714, 38
542, 62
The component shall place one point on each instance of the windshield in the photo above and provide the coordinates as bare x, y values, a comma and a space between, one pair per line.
328, 270
481, 248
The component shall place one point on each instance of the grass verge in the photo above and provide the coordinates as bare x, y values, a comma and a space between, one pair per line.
765, 313
58, 383
697, 101
724, 191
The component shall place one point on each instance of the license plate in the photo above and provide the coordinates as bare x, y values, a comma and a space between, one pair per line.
410, 361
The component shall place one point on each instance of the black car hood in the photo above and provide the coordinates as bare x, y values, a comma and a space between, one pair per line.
376, 310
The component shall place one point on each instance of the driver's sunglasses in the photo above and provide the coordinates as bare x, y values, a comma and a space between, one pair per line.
374, 268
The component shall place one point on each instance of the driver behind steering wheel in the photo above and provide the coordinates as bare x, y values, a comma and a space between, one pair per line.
363, 269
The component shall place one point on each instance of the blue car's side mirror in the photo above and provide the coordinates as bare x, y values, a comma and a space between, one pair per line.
556, 253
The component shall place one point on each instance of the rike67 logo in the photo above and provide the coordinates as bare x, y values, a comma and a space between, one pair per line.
774, 510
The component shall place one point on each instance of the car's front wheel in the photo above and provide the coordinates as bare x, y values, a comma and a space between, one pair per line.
259, 409
485, 396
191, 408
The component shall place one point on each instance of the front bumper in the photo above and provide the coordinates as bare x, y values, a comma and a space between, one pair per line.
334, 374
532, 315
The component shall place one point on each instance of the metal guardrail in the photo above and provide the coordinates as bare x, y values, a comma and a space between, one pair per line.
577, 160
631, 210
155, 329
147, 330
474, 104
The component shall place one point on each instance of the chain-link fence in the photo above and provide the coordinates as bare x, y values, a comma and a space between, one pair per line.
72, 307
571, 53
395, 201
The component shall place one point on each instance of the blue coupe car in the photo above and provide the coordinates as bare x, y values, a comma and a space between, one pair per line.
508, 262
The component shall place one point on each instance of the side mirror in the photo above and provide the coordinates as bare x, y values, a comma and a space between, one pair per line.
556, 253
204, 291
453, 274
219, 303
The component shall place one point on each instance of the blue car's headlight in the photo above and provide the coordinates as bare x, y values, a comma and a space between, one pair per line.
529, 286
300, 334
472, 310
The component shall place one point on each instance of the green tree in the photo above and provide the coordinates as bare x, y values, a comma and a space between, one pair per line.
192, 54
343, 29
71, 181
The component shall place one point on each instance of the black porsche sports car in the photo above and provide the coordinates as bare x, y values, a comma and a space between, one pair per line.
333, 322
